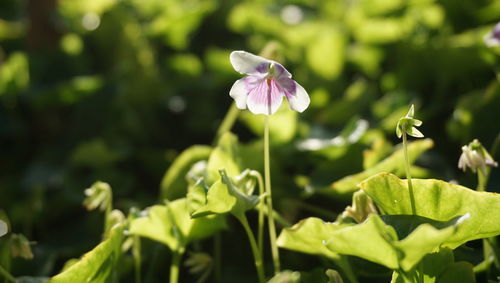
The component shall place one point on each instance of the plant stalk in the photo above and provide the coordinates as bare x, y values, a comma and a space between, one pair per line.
408, 176
136, 253
267, 178
174, 266
7, 275
255, 249
260, 231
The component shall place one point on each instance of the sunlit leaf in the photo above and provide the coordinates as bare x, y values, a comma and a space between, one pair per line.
308, 236
440, 201
376, 241
174, 184
394, 163
224, 196
97, 265
224, 156
440, 267
196, 196
172, 225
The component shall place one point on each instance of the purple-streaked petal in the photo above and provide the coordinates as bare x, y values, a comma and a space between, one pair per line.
247, 63
266, 98
298, 99
280, 71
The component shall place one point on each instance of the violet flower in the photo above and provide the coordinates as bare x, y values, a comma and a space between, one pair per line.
265, 85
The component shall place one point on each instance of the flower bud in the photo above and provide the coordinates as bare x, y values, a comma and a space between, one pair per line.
475, 157
408, 124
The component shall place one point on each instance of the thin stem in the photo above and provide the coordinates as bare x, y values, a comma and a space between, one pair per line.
107, 213
255, 249
408, 176
136, 253
267, 178
174, 266
260, 231
482, 180
7, 275
228, 122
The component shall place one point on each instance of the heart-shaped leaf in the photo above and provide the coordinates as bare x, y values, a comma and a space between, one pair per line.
308, 236
379, 242
97, 265
172, 225
440, 201
223, 197
224, 156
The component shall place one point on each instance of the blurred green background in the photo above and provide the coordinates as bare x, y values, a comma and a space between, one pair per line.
115, 90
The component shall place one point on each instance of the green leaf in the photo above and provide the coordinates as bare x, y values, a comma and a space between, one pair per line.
391, 164
308, 236
438, 200
376, 241
174, 184
171, 225
440, 268
97, 265
372, 240
224, 196
224, 156
196, 196
219, 200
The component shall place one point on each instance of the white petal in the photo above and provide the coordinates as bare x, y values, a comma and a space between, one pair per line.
299, 101
265, 99
239, 93
247, 63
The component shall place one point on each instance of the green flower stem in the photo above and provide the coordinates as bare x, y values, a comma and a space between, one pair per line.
260, 231
136, 253
420, 278
482, 180
267, 178
107, 213
228, 122
7, 275
408, 176
174, 265
255, 249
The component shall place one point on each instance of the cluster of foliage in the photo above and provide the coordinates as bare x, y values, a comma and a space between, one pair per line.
134, 93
